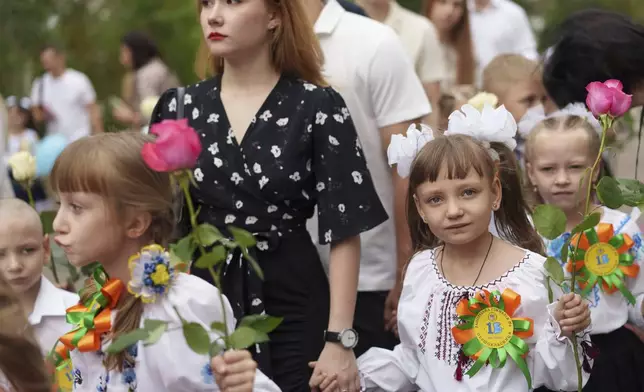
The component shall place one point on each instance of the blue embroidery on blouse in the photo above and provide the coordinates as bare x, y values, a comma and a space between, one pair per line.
128, 376
206, 373
102, 383
78, 378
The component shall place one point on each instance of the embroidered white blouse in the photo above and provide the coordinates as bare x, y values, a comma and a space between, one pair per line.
169, 365
428, 355
611, 311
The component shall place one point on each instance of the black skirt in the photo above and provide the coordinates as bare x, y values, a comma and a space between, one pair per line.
619, 366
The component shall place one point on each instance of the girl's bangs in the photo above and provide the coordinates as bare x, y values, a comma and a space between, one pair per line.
457, 154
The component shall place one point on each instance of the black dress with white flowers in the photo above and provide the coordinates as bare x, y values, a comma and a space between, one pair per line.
300, 150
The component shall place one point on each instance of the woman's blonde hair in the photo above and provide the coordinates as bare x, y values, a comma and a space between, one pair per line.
111, 165
21, 359
295, 50
460, 38
561, 124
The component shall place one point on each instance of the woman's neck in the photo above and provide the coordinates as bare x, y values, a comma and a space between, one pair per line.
117, 267
377, 11
249, 73
469, 254
14, 130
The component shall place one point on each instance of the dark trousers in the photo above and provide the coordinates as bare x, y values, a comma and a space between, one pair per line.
369, 322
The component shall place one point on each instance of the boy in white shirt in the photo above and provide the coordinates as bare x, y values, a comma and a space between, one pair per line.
24, 250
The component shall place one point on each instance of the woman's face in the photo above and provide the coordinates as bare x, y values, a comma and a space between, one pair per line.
234, 27
446, 14
126, 57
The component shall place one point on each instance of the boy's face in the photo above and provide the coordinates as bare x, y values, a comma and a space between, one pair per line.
522, 96
24, 250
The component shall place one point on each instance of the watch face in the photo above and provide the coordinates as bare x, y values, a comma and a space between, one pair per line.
349, 338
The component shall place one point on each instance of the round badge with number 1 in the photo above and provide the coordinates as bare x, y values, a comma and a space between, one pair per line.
493, 327
601, 259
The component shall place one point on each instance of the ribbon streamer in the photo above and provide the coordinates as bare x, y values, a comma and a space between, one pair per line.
489, 333
603, 258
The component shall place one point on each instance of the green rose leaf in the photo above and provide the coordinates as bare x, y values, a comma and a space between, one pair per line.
242, 237
609, 193
156, 329
253, 263
589, 222
261, 323
126, 340
632, 191
218, 326
184, 248
197, 338
207, 234
554, 269
242, 338
47, 220
550, 221
213, 258
216, 348
550, 293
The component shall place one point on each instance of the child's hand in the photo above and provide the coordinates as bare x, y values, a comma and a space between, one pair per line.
323, 382
572, 314
234, 371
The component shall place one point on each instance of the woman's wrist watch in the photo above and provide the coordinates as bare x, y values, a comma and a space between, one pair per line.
348, 338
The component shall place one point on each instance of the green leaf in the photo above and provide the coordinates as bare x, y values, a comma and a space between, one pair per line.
551, 295
261, 323
554, 269
550, 221
609, 193
184, 248
242, 237
253, 264
632, 191
216, 348
218, 326
207, 234
242, 338
213, 258
47, 220
565, 248
126, 340
589, 222
197, 338
156, 329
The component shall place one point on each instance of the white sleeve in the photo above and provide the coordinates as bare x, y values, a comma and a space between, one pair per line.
552, 360
636, 285
396, 92
88, 95
384, 370
178, 367
431, 66
524, 42
35, 91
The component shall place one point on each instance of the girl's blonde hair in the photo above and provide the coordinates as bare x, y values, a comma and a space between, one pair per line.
21, 359
505, 70
295, 49
561, 124
459, 154
110, 165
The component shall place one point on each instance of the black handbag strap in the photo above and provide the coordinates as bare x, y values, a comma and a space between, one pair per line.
180, 93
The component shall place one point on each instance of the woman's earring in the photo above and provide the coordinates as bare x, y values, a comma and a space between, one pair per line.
423, 218
534, 189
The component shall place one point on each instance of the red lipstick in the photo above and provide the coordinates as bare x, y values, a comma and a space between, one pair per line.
216, 36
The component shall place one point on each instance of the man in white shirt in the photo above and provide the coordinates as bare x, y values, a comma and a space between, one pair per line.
64, 98
366, 63
500, 27
420, 40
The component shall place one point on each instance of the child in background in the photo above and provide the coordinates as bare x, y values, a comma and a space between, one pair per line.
453, 189
516, 81
24, 251
558, 151
117, 211
22, 368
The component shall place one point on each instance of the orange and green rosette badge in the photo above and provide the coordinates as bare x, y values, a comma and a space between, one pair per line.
490, 333
603, 258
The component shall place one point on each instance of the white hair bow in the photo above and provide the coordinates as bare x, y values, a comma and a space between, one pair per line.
537, 114
402, 150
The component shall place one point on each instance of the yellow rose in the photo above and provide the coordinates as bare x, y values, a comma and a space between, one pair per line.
23, 166
147, 107
481, 99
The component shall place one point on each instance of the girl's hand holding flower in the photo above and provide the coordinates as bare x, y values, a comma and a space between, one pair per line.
234, 371
572, 314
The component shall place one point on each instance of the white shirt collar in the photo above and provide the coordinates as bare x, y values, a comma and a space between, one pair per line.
329, 18
50, 302
471, 6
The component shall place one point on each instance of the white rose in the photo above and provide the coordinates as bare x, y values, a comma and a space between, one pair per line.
481, 99
147, 106
23, 166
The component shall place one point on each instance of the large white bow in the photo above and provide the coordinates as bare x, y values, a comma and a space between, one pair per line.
537, 114
403, 149
488, 125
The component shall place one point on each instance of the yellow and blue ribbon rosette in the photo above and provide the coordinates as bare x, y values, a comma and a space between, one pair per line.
151, 273
603, 258
489, 333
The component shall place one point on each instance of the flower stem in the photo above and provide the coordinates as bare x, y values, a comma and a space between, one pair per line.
30, 195
216, 280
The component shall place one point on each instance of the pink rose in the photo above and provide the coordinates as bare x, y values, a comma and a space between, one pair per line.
608, 98
176, 147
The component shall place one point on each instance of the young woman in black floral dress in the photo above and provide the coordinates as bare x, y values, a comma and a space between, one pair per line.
277, 141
